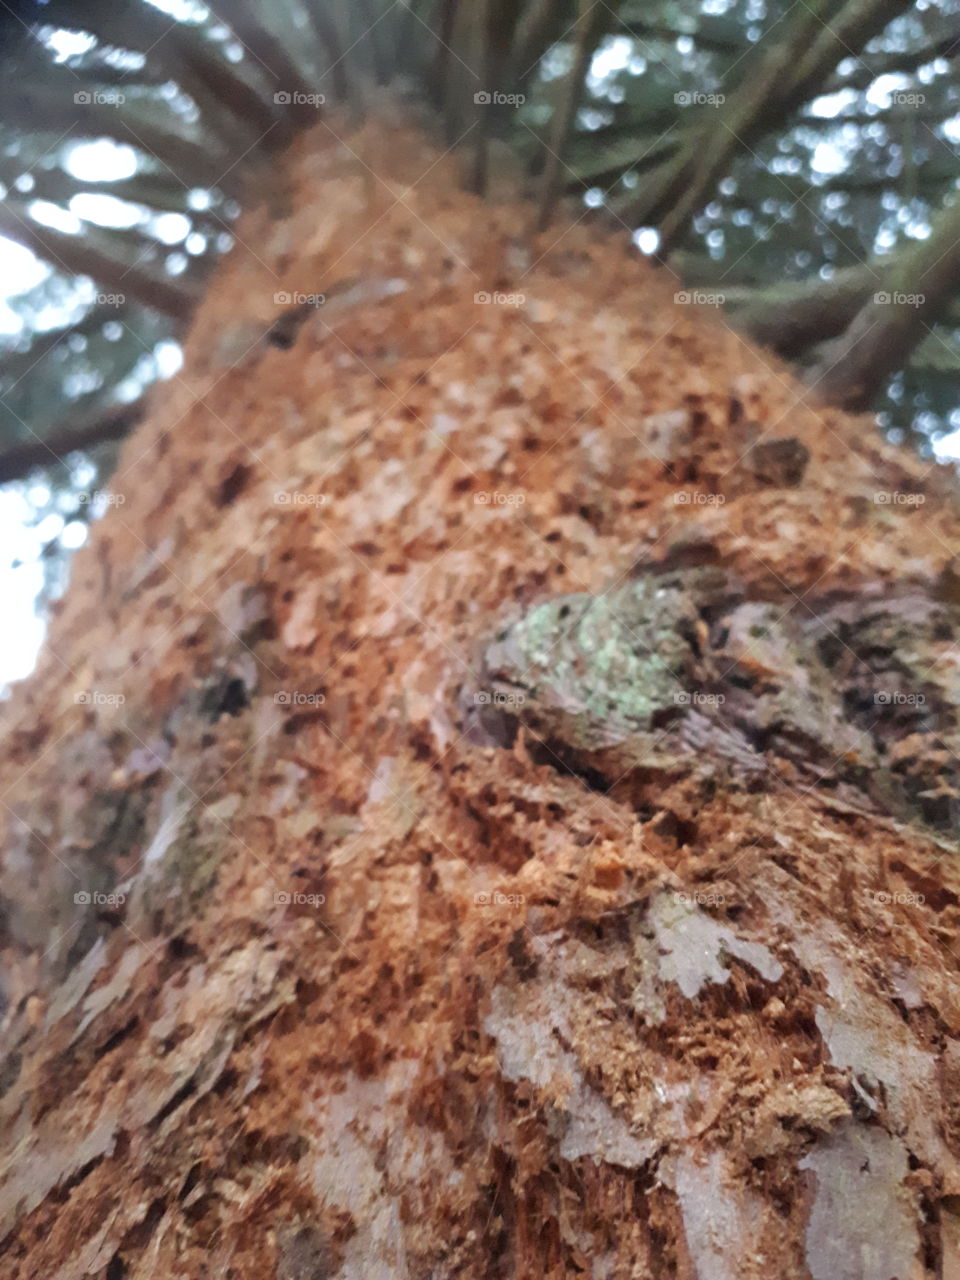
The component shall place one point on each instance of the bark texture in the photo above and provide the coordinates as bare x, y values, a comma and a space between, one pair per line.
367, 916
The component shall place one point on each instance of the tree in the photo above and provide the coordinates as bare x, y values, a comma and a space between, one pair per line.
709, 129
487, 805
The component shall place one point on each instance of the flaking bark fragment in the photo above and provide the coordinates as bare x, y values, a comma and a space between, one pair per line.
680, 669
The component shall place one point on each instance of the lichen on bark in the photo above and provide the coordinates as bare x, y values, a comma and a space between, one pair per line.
685, 665
596, 670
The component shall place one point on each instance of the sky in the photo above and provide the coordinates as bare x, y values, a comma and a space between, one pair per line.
21, 540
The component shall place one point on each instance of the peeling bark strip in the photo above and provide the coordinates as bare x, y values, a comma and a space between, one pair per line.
371, 905
682, 673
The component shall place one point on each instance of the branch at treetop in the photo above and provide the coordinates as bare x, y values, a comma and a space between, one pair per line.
16, 363
51, 106
792, 316
587, 34
190, 58
918, 292
92, 254
767, 94
869, 69
18, 460
840, 36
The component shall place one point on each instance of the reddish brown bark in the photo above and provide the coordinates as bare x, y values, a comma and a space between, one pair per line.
384, 998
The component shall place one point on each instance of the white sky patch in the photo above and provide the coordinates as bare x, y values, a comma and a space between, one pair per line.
55, 316
106, 211
10, 325
169, 358
51, 215
832, 104
647, 239
182, 10
49, 527
19, 587
100, 161
878, 95
125, 59
199, 198
613, 55
74, 535
917, 228
828, 159
22, 270
170, 228
68, 44
947, 448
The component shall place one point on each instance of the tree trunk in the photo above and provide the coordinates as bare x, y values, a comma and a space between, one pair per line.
486, 805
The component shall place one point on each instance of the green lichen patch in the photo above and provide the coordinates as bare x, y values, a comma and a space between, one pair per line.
595, 670
681, 672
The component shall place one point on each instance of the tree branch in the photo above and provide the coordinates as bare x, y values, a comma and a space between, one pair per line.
51, 107
587, 32
280, 67
328, 38
871, 68
892, 322
20, 459
190, 59
16, 364
765, 97
792, 316
94, 254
